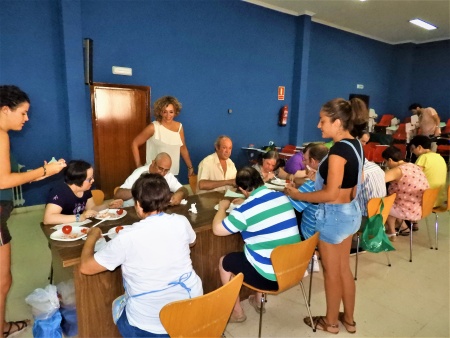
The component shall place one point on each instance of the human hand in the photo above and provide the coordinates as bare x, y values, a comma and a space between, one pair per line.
191, 171
55, 167
88, 214
224, 204
96, 233
115, 204
290, 190
176, 199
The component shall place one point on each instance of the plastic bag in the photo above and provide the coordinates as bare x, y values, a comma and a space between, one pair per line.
374, 238
48, 328
69, 322
44, 307
44, 302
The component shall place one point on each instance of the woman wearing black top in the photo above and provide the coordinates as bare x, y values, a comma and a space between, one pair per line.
338, 216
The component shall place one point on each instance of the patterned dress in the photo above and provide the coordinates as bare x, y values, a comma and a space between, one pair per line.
409, 190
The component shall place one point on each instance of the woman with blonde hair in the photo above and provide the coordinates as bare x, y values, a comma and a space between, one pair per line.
338, 217
164, 135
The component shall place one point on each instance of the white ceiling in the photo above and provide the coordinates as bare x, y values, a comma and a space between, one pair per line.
383, 20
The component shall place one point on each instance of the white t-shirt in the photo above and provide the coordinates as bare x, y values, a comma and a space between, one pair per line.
153, 253
172, 181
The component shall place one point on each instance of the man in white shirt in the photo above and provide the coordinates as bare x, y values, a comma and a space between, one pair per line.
160, 165
217, 172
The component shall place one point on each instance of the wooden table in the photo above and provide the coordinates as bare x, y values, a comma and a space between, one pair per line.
94, 294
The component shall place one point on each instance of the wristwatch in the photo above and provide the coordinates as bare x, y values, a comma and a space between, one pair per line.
77, 217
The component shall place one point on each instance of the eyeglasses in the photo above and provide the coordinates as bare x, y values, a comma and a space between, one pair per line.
90, 179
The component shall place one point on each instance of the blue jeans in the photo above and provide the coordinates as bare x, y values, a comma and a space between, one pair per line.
128, 330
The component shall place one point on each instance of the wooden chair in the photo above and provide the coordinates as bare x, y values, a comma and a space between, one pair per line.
98, 196
428, 200
193, 183
289, 263
373, 208
437, 210
203, 316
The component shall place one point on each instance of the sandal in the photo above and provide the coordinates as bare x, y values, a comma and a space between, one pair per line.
252, 301
320, 323
404, 232
236, 319
20, 325
415, 227
392, 237
350, 327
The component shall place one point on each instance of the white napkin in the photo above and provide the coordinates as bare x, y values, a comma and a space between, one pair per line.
52, 160
74, 224
193, 208
230, 193
183, 202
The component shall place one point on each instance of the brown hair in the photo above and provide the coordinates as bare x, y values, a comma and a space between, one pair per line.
351, 113
162, 103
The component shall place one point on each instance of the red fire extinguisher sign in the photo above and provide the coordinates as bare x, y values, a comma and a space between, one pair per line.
283, 116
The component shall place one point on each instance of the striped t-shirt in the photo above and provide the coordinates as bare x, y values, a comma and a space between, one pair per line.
308, 226
266, 220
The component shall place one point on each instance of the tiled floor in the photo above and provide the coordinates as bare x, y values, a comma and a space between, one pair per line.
405, 300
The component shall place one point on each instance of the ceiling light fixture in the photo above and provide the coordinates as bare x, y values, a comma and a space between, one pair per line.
422, 24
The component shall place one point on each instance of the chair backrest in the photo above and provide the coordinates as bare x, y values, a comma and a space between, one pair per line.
385, 120
402, 147
98, 196
291, 261
374, 204
428, 200
290, 149
400, 133
115, 190
368, 151
193, 183
377, 158
204, 316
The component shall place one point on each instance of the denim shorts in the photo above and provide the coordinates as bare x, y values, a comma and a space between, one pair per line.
6, 207
336, 222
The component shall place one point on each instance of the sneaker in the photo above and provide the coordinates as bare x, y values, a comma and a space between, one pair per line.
360, 251
316, 267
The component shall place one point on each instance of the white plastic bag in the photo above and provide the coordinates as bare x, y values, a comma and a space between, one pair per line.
66, 290
44, 302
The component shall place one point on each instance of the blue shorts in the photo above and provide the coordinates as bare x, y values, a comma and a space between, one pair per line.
336, 222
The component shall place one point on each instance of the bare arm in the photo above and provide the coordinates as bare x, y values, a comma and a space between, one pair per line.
437, 120
217, 226
185, 154
123, 194
332, 192
393, 174
89, 265
139, 141
178, 196
210, 184
10, 180
53, 215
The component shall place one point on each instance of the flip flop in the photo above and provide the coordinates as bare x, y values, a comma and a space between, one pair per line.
20, 325
320, 323
350, 327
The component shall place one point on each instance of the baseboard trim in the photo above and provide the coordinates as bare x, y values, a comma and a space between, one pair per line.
21, 210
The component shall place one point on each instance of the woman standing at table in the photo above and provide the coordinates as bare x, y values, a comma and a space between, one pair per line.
338, 216
14, 105
164, 135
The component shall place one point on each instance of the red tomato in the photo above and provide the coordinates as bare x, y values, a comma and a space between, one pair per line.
118, 229
84, 231
67, 229
119, 212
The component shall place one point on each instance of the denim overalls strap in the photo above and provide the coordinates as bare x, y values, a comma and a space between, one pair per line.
318, 183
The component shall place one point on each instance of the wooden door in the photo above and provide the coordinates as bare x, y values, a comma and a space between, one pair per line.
119, 113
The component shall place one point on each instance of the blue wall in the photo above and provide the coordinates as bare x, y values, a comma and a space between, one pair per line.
212, 55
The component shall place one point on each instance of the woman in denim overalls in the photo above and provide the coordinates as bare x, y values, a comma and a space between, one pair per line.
338, 215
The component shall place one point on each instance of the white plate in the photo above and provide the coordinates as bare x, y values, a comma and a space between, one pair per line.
231, 207
112, 232
112, 212
278, 181
75, 235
